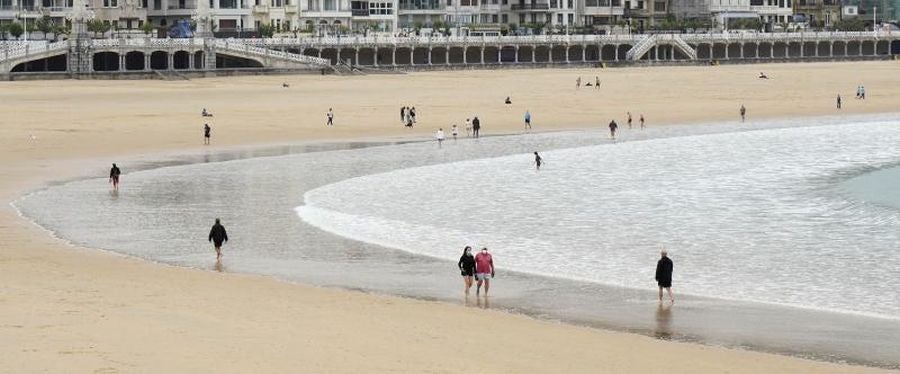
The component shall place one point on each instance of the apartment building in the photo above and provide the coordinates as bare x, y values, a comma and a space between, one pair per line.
818, 12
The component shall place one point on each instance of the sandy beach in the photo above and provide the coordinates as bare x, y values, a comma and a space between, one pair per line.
68, 309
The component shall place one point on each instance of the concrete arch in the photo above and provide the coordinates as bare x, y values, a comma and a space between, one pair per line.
384, 56
734, 50
823, 49
839, 49
508, 54
751, 50
575, 53
608, 52
718, 50
135, 60
765, 50
592, 52
779, 50
525, 52
868, 48
473, 55
809, 49
159, 60
421, 56
401, 55
181, 60
331, 54
794, 49
704, 51
559, 53
854, 47
367, 56
883, 47
226, 61
491, 55
438, 55
52, 63
199, 60
622, 51
456, 55
542, 54
106, 61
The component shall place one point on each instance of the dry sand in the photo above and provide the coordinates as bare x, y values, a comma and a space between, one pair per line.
65, 309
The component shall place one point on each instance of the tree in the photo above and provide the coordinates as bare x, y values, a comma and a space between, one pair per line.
97, 26
266, 30
15, 29
854, 24
44, 25
3, 28
147, 27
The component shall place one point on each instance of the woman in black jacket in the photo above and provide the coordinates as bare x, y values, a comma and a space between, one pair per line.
467, 267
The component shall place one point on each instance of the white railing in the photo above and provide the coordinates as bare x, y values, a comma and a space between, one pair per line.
637, 51
234, 46
684, 47
15, 50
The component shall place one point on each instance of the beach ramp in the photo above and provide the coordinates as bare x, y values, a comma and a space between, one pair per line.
14, 53
269, 58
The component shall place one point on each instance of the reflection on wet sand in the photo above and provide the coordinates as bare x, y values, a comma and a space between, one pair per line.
663, 322
219, 267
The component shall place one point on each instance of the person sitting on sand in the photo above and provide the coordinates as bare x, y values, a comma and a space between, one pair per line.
508, 101
763, 75
205, 113
218, 235
285, 85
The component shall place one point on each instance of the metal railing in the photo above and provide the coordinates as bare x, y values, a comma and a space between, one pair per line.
234, 46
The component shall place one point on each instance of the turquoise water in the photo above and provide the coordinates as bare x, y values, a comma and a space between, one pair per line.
880, 187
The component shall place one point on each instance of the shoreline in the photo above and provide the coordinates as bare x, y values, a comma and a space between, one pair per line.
235, 153
84, 310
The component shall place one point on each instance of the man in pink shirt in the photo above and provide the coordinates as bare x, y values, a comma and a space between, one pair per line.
484, 266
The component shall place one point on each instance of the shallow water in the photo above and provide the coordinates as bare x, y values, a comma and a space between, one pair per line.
597, 248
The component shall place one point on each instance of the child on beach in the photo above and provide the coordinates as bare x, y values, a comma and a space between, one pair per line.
439, 135
468, 128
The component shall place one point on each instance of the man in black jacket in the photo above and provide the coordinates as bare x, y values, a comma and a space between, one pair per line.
664, 275
218, 236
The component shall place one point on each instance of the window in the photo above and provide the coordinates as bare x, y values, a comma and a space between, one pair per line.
571, 18
449, 2
559, 18
553, 4
228, 4
590, 3
493, 18
640, 4
110, 3
521, 18
570, 4
659, 6
505, 18
329, 5
381, 8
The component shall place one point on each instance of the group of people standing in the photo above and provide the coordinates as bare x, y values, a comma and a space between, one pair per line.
614, 126
408, 116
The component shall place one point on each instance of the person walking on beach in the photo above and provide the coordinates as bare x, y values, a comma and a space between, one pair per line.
403, 115
476, 127
629, 120
468, 128
439, 135
578, 83
114, 173
484, 271
527, 120
467, 268
454, 130
537, 161
862, 92
217, 236
664, 275
839, 101
330, 117
642, 121
206, 131
412, 114
858, 92
613, 126
743, 113
596, 83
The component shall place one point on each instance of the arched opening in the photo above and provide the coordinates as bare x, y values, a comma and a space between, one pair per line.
490, 55
420, 56
868, 48
312, 52
473, 55
574, 53
718, 51
779, 50
367, 56
608, 52
703, 51
456, 55
883, 47
592, 53
348, 55
823, 49
384, 56
795, 49
134, 60
402, 56
559, 53
181, 60
231, 62
895, 47
837, 49
55, 63
765, 50
622, 51
809, 49
330, 54
106, 61
438, 55
524, 53
199, 60
734, 50
751, 50
854, 48
159, 60
508, 54
542, 54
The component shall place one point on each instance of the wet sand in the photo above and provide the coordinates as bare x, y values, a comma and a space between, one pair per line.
75, 309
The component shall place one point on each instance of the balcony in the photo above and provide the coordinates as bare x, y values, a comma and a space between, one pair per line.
533, 7
359, 12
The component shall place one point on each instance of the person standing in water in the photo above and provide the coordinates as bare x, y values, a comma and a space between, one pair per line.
642, 121
330, 117
206, 132
484, 271
439, 135
454, 130
217, 236
613, 126
527, 120
467, 268
114, 173
468, 128
743, 113
629, 120
476, 127
538, 161
664, 275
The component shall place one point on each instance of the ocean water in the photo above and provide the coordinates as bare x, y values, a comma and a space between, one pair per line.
745, 215
779, 243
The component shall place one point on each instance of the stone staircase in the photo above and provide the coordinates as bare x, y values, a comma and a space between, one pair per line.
684, 47
270, 57
641, 48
